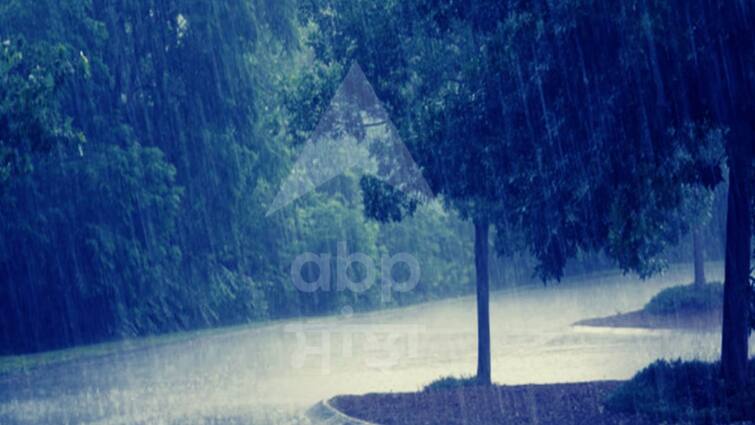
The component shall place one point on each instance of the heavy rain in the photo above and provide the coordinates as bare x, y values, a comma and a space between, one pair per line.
385, 212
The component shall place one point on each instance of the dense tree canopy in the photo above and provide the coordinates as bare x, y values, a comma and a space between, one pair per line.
578, 124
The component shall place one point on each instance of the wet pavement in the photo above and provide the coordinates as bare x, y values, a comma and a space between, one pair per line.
271, 374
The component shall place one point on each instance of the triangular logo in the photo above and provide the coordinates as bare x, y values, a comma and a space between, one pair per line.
355, 133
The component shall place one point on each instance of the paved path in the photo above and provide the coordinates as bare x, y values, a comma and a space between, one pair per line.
260, 376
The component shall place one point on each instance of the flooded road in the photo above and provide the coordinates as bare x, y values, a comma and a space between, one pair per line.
270, 374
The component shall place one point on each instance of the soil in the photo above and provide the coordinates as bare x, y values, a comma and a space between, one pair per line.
562, 404
703, 321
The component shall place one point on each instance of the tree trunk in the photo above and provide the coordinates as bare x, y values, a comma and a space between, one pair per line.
735, 332
699, 258
481, 227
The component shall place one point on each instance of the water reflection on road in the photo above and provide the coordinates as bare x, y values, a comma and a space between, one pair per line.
261, 375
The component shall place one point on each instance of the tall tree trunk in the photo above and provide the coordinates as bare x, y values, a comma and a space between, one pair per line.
481, 227
699, 258
735, 330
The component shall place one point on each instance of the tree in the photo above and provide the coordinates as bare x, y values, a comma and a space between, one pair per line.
641, 90
563, 115
387, 59
481, 228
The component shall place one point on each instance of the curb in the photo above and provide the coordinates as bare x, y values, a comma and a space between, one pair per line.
323, 413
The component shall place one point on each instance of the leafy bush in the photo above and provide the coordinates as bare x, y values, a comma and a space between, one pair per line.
451, 382
687, 298
683, 391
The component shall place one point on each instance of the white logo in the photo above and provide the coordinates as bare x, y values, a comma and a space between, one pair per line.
355, 134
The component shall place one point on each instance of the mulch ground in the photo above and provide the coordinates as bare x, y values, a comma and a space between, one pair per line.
710, 320
562, 404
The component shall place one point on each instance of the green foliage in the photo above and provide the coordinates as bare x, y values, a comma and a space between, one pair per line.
384, 203
698, 198
442, 244
450, 383
684, 391
687, 299
110, 247
519, 143
156, 223
437, 239
31, 121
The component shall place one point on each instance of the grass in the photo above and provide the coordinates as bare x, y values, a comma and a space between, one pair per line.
686, 391
687, 299
451, 382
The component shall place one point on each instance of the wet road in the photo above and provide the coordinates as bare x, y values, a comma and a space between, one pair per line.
271, 374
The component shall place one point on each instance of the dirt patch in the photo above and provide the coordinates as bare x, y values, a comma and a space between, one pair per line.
704, 321
561, 404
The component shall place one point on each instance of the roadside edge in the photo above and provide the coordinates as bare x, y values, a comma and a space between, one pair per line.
325, 413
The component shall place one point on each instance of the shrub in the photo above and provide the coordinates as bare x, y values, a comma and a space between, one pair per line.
683, 391
451, 382
687, 298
